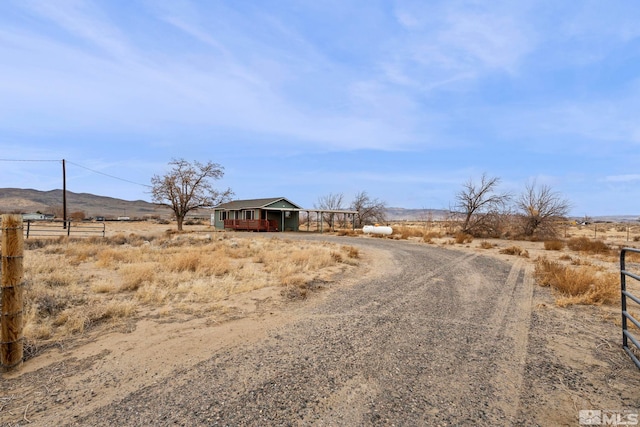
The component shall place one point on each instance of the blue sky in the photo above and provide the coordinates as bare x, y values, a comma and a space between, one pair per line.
406, 100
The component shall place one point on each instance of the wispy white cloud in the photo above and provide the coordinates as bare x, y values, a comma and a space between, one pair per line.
82, 19
446, 43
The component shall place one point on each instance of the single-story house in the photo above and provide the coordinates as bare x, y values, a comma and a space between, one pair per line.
272, 214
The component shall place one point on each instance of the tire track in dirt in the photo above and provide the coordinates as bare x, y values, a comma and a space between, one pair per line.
514, 319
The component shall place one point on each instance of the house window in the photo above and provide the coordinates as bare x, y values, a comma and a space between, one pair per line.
223, 215
248, 214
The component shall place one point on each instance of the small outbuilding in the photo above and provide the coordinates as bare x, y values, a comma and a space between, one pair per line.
37, 217
272, 214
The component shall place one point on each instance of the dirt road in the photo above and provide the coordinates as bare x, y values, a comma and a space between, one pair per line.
439, 339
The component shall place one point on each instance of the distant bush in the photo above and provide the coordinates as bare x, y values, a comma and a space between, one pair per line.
584, 244
487, 245
405, 232
461, 237
553, 245
515, 250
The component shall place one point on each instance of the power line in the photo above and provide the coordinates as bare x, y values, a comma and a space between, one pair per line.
106, 174
27, 160
80, 166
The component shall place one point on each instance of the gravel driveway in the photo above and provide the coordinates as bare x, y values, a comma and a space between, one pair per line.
439, 339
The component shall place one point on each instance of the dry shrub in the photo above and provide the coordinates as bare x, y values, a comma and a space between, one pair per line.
432, 234
38, 331
104, 287
577, 286
152, 294
117, 309
72, 321
109, 257
184, 261
38, 242
118, 239
584, 244
405, 232
487, 245
133, 276
515, 250
352, 252
60, 278
631, 256
553, 245
213, 265
296, 280
579, 261
461, 237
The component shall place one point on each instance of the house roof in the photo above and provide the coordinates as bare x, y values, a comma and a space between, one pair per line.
254, 203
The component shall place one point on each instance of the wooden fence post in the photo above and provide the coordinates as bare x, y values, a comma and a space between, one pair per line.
11, 304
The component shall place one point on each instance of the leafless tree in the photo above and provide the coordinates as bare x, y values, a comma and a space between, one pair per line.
187, 186
330, 202
369, 209
541, 209
481, 206
77, 216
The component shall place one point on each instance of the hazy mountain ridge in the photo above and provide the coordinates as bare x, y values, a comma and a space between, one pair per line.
19, 200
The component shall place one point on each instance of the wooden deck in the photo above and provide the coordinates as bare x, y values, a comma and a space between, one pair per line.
251, 224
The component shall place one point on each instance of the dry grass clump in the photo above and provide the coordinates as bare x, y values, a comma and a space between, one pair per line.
73, 285
515, 250
487, 245
586, 285
553, 245
584, 244
405, 232
428, 236
461, 237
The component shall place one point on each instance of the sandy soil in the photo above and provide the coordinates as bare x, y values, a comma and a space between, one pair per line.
571, 360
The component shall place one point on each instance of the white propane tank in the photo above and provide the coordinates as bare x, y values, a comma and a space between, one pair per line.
376, 229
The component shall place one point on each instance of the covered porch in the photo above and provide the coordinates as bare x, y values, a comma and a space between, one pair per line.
251, 224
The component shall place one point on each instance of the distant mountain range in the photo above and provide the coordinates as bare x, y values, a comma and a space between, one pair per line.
18, 200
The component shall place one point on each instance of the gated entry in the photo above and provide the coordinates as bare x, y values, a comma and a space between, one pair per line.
626, 316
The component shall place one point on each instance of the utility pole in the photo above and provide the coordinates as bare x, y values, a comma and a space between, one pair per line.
64, 196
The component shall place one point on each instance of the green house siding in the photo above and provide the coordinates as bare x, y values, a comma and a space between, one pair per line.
280, 210
281, 204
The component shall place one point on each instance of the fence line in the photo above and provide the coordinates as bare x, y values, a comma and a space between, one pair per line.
56, 229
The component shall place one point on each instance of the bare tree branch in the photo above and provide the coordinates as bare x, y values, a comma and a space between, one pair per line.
369, 210
187, 186
481, 206
330, 202
541, 208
